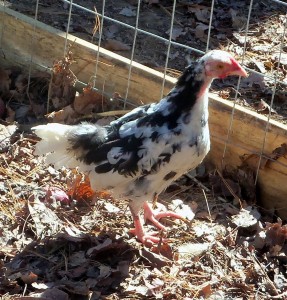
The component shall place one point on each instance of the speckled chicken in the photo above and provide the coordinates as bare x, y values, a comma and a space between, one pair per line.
140, 154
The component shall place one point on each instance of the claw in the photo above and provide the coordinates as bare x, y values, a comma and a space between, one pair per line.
149, 214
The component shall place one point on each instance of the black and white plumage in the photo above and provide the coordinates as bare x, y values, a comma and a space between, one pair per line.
138, 155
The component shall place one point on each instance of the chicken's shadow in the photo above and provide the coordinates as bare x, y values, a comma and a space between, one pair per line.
79, 266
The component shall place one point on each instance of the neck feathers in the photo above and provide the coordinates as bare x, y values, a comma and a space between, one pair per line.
190, 86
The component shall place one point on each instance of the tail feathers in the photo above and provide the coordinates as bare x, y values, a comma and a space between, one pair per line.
54, 137
64, 143
55, 142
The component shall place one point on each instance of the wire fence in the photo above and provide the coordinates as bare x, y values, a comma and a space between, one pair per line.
168, 40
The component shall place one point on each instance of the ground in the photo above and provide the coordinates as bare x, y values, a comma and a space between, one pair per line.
60, 240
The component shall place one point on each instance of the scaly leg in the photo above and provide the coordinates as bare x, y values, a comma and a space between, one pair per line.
145, 238
151, 215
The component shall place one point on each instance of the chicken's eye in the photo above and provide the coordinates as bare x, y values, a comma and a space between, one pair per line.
220, 67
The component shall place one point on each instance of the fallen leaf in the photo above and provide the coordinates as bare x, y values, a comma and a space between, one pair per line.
111, 208
128, 12
105, 271
46, 222
182, 209
276, 234
163, 249
155, 259
176, 32
238, 21
67, 115
192, 250
114, 45
79, 187
62, 82
226, 186
282, 57
200, 30
254, 80
89, 100
5, 134
53, 293
246, 218
279, 151
77, 259
265, 108
111, 31
29, 277
205, 290
201, 12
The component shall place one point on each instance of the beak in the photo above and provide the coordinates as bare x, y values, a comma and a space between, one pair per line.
237, 69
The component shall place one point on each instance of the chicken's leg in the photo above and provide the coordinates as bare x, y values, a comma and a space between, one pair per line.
152, 216
149, 214
145, 238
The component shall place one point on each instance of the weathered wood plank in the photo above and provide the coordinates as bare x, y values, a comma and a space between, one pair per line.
24, 39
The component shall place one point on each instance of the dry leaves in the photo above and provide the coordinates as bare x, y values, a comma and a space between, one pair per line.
115, 45
61, 89
83, 248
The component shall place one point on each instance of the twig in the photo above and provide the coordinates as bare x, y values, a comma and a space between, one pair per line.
206, 189
229, 188
97, 26
207, 205
271, 284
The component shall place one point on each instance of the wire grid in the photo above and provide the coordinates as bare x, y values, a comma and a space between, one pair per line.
169, 42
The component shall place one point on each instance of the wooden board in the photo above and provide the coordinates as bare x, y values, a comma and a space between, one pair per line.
24, 40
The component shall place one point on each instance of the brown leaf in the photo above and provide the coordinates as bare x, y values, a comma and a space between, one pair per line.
89, 100
279, 151
164, 249
114, 45
155, 259
61, 90
29, 278
67, 115
276, 234
206, 291
79, 188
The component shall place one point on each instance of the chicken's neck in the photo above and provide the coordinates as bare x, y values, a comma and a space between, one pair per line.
189, 98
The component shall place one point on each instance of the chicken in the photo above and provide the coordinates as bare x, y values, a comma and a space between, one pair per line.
140, 154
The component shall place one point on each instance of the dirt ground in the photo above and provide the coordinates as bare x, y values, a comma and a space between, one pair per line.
60, 240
